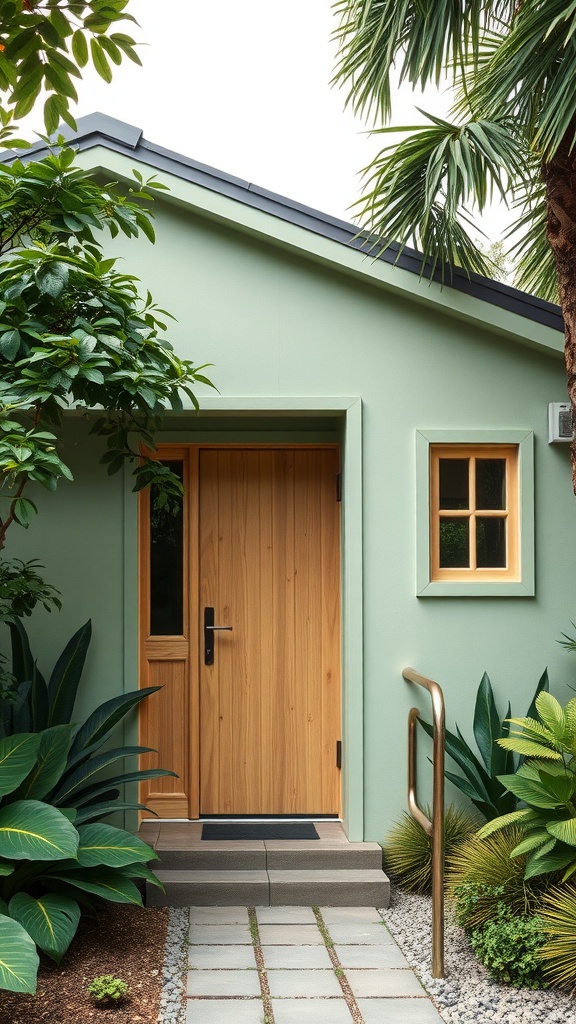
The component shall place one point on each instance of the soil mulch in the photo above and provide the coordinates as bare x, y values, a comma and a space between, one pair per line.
125, 941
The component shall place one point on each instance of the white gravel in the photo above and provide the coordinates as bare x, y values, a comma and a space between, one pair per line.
467, 995
172, 1003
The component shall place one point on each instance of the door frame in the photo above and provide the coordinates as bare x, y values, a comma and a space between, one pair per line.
349, 412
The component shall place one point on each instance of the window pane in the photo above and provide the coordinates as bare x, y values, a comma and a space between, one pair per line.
491, 483
454, 483
490, 542
166, 564
454, 543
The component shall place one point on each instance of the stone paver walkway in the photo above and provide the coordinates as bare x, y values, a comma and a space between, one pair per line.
299, 965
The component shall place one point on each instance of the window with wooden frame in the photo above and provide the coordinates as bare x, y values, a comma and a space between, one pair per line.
475, 513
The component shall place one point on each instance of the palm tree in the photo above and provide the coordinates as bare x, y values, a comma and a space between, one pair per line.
511, 134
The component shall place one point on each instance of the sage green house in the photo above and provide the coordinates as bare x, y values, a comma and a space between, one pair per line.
370, 487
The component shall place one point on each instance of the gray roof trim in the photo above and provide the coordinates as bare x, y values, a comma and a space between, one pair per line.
101, 130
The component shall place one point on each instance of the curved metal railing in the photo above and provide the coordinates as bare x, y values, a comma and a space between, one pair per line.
434, 828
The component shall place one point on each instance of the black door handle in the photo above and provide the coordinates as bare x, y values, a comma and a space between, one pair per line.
209, 629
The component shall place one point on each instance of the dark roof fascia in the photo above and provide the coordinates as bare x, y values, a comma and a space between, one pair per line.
101, 130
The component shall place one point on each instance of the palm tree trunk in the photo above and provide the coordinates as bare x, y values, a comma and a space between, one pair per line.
560, 178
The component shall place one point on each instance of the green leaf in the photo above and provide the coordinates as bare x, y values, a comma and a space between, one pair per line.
18, 958
521, 817
80, 48
113, 847
17, 758
10, 344
487, 727
106, 716
100, 61
31, 830
51, 920
105, 882
529, 748
50, 763
65, 678
528, 791
23, 511
52, 277
564, 830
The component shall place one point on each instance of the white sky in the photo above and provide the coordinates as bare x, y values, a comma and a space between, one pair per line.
243, 85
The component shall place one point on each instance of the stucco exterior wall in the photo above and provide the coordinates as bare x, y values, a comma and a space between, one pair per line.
278, 326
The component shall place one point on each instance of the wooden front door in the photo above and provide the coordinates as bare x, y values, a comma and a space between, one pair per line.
252, 727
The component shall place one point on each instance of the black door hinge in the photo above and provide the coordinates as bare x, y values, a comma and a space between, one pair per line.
338, 753
338, 486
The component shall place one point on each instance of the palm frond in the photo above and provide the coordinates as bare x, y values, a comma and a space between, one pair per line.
421, 42
531, 75
418, 190
534, 259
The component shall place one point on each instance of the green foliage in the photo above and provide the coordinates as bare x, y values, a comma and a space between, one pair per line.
482, 874
480, 779
74, 331
509, 947
511, 66
48, 860
106, 990
408, 848
45, 45
71, 769
546, 783
55, 852
558, 915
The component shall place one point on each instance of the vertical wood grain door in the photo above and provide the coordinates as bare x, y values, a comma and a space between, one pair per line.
269, 566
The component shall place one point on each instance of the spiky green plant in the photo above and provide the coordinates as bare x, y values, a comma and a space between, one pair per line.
558, 914
408, 848
481, 874
479, 780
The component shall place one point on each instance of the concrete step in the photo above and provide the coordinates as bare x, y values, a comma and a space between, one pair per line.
350, 887
276, 855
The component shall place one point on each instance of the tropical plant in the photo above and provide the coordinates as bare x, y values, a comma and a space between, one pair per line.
83, 780
558, 916
49, 863
45, 44
511, 133
509, 947
546, 783
407, 849
480, 875
480, 780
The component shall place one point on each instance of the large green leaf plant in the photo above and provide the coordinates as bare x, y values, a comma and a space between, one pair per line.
545, 783
56, 784
481, 775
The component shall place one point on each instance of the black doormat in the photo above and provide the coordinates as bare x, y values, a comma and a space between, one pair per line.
260, 830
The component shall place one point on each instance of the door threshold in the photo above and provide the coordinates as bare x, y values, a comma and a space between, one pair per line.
246, 820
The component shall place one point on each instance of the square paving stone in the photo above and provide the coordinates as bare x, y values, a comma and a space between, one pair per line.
290, 935
285, 915
311, 984
223, 983
350, 915
392, 1011
311, 1011
214, 957
371, 956
358, 934
219, 915
384, 982
296, 958
225, 934
218, 1011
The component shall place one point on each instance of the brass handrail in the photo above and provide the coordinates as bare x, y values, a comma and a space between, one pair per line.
434, 828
